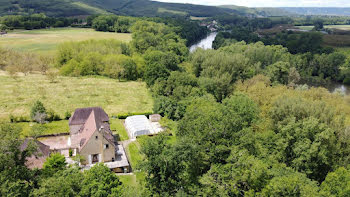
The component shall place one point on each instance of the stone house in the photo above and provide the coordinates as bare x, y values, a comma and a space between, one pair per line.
91, 137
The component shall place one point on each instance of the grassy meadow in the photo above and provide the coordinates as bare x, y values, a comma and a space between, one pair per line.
163, 10
69, 93
46, 40
341, 27
308, 28
54, 127
337, 41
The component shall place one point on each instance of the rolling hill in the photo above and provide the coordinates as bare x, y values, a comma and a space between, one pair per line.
66, 8
63, 8
154, 8
336, 11
259, 11
290, 11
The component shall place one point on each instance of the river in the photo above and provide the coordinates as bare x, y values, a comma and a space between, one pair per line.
344, 89
206, 43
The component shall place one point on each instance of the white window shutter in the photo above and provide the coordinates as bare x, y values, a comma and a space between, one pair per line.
99, 157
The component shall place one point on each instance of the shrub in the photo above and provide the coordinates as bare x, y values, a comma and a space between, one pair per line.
38, 112
52, 116
15, 119
67, 115
125, 115
52, 75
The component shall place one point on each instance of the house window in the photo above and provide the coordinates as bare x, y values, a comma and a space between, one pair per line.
95, 158
112, 159
96, 137
106, 146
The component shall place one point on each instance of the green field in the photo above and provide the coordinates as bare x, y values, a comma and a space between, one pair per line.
309, 28
195, 18
48, 128
46, 40
69, 93
342, 27
163, 10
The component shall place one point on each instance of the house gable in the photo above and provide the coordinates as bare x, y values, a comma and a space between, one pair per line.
98, 145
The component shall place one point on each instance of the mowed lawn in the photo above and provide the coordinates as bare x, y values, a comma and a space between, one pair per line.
46, 40
69, 93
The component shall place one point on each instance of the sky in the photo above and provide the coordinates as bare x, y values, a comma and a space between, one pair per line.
269, 3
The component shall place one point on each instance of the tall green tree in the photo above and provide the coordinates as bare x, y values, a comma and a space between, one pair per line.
100, 181
15, 178
337, 183
56, 162
63, 183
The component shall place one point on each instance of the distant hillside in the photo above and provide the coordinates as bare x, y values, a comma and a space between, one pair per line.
289, 11
258, 11
318, 10
154, 8
49, 7
121, 7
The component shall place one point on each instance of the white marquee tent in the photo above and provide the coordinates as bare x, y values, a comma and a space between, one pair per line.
138, 125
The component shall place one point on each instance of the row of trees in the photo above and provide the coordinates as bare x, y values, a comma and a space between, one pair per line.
327, 20
227, 22
24, 62
188, 30
113, 23
36, 21
295, 42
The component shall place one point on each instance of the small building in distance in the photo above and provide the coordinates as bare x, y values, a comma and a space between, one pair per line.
139, 125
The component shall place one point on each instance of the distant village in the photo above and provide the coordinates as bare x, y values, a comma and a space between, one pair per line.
212, 26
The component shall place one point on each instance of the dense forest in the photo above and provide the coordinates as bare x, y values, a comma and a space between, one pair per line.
315, 59
242, 120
